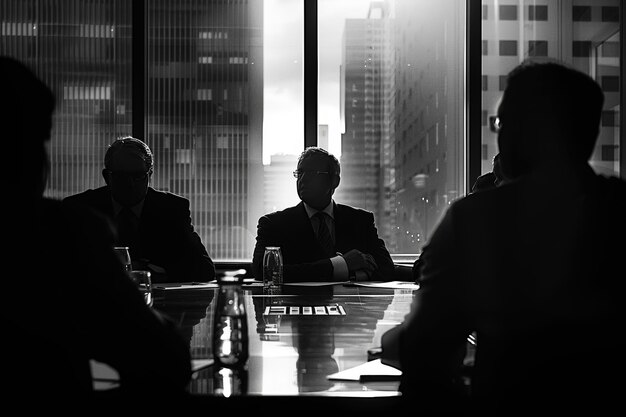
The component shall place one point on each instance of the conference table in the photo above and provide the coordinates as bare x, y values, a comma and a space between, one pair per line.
298, 336
307, 340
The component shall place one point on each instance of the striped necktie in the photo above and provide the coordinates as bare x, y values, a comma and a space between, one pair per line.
323, 235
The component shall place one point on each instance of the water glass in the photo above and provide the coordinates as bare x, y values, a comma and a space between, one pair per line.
123, 252
272, 267
143, 280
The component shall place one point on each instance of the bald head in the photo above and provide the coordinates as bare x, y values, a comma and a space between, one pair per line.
128, 166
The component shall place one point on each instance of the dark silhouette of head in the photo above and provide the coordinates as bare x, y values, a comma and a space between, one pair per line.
26, 108
550, 117
128, 166
318, 176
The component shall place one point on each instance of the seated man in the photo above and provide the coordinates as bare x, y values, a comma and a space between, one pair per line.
531, 266
490, 179
342, 244
155, 225
69, 300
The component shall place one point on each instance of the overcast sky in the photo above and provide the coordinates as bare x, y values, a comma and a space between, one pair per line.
283, 125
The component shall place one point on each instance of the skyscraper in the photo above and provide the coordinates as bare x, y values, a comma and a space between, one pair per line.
202, 109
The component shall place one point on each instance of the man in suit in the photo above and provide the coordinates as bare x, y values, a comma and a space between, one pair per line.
343, 245
534, 267
490, 179
155, 225
68, 299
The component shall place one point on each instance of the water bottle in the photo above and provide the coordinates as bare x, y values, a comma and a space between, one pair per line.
230, 382
230, 326
272, 267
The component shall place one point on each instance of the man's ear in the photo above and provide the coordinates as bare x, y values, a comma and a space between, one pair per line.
335, 182
105, 176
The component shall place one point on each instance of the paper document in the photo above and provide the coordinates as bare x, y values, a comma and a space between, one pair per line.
315, 283
185, 286
398, 285
373, 370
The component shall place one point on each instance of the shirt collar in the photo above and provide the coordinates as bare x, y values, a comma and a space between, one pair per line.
136, 209
310, 211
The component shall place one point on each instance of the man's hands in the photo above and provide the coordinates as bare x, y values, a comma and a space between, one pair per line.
361, 265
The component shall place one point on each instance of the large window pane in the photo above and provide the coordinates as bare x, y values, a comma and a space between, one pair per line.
583, 34
83, 52
209, 65
204, 114
391, 91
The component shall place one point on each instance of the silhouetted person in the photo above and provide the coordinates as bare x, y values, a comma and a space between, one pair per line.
68, 299
486, 181
155, 225
490, 179
534, 267
345, 245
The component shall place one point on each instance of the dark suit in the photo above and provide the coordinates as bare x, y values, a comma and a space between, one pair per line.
166, 234
536, 269
303, 257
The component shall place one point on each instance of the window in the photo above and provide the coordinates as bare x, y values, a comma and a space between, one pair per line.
211, 90
609, 50
508, 48
609, 118
609, 152
581, 49
581, 13
537, 13
508, 12
610, 13
502, 82
537, 48
595, 39
406, 59
610, 83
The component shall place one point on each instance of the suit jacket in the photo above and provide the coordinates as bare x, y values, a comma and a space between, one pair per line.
536, 269
166, 234
71, 301
303, 257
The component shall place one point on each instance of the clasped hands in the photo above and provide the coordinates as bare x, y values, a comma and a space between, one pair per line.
360, 265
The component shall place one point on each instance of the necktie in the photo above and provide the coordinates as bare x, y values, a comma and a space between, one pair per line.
127, 226
323, 235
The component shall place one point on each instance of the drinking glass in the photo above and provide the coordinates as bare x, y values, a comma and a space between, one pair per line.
143, 280
123, 253
272, 267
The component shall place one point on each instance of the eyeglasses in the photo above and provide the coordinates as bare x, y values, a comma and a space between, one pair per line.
299, 173
135, 176
495, 124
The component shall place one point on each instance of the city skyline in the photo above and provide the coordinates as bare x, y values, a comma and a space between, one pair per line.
283, 72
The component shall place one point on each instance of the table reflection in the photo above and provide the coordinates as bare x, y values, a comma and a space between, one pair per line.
292, 353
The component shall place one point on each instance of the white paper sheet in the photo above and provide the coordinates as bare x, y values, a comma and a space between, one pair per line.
371, 370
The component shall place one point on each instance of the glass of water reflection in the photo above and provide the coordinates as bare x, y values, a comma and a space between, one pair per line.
123, 253
144, 284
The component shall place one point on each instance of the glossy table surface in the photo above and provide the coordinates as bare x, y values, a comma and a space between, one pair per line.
291, 354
